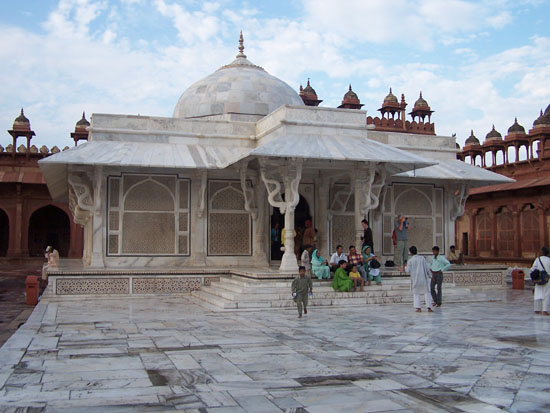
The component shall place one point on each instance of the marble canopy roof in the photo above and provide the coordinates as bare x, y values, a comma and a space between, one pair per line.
455, 170
317, 135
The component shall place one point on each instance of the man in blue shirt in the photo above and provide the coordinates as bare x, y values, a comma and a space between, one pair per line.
437, 266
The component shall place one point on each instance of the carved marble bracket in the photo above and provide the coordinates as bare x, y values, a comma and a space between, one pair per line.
81, 200
369, 181
460, 196
273, 187
248, 192
202, 194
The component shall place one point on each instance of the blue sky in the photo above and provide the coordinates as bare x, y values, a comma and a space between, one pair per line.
478, 63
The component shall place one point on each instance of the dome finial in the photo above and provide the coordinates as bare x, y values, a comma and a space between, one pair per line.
241, 46
308, 81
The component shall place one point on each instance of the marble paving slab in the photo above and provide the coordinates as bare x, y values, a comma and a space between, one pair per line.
166, 354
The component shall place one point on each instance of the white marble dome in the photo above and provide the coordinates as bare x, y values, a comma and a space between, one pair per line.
239, 87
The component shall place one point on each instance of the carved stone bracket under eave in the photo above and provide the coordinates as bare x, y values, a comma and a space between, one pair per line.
202, 194
81, 199
460, 196
248, 192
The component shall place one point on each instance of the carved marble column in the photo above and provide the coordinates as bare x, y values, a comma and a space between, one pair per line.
322, 188
291, 173
254, 203
367, 182
99, 233
85, 205
199, 181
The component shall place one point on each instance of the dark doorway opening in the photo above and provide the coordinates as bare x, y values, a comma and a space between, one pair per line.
301, 215
4, 233
49, 226
465, 243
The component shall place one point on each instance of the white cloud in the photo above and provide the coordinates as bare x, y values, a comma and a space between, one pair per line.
83, 61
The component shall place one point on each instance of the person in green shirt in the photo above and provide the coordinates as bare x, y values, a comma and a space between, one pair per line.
437, 266
342, 282
301, 288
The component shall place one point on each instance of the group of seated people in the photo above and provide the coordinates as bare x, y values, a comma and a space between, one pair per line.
350, 270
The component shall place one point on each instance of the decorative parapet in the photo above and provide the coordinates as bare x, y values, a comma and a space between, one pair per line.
33, 150
396, 125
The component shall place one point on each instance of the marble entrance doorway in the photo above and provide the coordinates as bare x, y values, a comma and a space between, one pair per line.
4, 233
301, 214
49, 225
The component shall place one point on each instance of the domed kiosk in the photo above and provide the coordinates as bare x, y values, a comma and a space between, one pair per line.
240, 88
189, 197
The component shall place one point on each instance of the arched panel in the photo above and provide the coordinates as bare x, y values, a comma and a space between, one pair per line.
413, 202
530, 230
149, 196
483, 231
505, 233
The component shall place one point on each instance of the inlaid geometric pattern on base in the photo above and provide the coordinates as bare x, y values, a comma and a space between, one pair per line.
78, 286
478, 278
475, 278
165, 285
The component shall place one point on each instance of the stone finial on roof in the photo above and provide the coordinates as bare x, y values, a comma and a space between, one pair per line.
516, 127
493, 135
390, 98
241, 46
472, 140
421, 102
21, 122
309, 96
351, 100
82, 123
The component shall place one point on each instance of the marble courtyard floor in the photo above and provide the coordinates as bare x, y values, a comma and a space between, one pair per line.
169, 353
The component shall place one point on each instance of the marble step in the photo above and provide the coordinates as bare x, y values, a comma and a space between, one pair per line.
252, 295
319, 287
247, 282
338, 300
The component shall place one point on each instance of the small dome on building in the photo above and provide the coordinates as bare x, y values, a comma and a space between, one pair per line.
240, 87
350, 94
351, 100
493, 135
82, 123
390, 99
308, 90
21, 122
516, 128
472, 140
421, 103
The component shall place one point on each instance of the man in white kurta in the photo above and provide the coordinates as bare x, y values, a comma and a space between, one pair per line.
52, 256
418, 268
542, 292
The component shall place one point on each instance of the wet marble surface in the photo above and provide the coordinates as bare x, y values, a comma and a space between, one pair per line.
169, 353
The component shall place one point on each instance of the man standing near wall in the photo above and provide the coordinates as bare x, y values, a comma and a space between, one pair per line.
437, 266
402, 235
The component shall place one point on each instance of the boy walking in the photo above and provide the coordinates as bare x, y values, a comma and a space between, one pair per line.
301, 287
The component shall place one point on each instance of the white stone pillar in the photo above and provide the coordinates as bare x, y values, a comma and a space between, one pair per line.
322, 188
291, 172
99, 230
199, 182
260, 226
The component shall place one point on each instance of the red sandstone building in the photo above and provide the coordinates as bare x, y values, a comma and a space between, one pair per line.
508, 223
29, 219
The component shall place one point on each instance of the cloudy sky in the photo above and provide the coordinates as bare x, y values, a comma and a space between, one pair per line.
477, 63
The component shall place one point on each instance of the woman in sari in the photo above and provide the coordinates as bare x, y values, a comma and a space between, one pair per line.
373, 274
342, 282
319, 266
